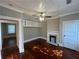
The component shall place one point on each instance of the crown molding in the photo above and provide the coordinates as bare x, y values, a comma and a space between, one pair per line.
12, 8
62, 15
7, 17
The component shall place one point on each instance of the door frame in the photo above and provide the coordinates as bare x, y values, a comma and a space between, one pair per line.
13, 22
61, 31
20, 36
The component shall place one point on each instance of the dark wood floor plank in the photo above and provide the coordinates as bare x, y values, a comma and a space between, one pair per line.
38, 53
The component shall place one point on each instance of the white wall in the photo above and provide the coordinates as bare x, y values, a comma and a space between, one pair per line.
44, 29
32, 29
53, 28
69, 17
31, 32
0, 41
78, 37
53, 25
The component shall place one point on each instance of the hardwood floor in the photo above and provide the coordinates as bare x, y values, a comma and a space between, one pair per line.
40, 49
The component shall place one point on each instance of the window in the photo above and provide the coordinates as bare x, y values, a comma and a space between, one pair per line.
11, 29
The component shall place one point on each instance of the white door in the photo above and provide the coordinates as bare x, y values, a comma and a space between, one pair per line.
70, 34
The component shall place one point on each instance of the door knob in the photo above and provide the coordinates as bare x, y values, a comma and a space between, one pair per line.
64, 35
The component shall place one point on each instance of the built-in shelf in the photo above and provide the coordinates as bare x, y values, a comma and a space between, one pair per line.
27, 23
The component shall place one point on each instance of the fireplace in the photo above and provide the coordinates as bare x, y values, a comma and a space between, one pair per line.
52, 38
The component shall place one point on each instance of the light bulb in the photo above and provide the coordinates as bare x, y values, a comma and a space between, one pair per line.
41, 18
43, 14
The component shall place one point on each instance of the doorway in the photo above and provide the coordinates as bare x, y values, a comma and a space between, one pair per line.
70, 34
8, 33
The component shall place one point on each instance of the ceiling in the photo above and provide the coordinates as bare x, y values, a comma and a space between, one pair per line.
51, 7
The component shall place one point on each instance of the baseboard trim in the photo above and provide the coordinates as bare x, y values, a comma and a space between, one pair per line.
53, 43
34, 39
61, 44
56, 44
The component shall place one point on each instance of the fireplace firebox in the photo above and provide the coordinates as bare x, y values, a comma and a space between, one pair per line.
52, 39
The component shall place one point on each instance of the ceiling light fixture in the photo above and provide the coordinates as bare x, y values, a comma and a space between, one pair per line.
42, 16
